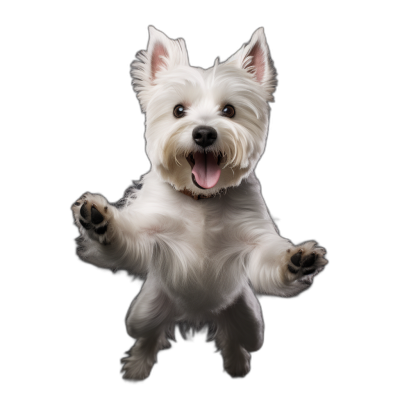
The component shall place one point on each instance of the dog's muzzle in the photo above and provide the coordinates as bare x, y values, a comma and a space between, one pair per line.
205, 166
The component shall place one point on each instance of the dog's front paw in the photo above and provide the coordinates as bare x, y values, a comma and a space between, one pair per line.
305, 261
93, 216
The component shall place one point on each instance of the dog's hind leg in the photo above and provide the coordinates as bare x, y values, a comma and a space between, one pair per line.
240, 330
149, 320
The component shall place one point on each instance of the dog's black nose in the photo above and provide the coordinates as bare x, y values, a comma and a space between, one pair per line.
204, 136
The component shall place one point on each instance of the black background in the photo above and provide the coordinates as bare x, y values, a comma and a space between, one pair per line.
97, 142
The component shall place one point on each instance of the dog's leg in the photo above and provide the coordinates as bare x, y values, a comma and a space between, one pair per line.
149, 318
240, 330
110, 236
140, 359
278, 267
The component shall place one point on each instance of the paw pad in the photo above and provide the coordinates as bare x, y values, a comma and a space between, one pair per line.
306, 262
92, 214
309, 260
84, 211
102, 230
97, 218
295, 259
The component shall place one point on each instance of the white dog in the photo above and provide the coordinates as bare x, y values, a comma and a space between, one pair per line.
196, 226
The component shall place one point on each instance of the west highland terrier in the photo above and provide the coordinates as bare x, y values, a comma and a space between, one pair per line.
196, 226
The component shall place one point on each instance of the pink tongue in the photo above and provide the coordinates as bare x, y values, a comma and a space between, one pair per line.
206, 170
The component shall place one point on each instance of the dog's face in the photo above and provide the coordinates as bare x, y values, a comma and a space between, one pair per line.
205, 129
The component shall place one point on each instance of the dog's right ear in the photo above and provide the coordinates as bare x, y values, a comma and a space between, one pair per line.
162, 54
254, 57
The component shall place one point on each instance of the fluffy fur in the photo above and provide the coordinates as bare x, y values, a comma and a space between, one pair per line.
203, 260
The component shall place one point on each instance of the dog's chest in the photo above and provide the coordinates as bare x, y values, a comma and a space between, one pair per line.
209, 229
206, 263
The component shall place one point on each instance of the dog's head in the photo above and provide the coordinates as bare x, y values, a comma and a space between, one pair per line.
205, 129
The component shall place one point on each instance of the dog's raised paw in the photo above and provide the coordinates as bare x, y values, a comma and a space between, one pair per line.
305, 261
93, 216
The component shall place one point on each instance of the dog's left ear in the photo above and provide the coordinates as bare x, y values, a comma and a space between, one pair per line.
255, 58
162, 54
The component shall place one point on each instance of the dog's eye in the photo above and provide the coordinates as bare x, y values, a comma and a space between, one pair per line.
179, 111
228, 111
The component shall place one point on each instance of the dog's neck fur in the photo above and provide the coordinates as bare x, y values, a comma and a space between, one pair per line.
195, 196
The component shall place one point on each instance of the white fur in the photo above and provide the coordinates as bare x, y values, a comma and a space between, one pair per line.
198, 256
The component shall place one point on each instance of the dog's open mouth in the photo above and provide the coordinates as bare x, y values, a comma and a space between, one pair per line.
205, 169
